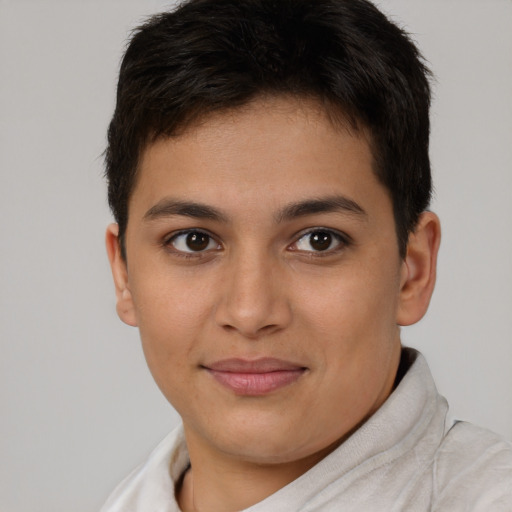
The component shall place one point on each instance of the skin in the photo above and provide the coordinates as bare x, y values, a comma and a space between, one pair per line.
261, 288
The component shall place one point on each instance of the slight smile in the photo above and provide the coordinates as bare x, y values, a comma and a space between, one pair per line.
255, 378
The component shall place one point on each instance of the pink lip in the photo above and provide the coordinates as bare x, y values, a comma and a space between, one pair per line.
254, 378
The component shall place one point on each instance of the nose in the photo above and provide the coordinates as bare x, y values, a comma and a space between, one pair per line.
254, 299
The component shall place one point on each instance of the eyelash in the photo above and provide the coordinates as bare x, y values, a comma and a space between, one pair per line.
343, 241
168, 243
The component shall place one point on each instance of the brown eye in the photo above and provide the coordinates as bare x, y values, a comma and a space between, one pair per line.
197, 241
193, 241
319, 240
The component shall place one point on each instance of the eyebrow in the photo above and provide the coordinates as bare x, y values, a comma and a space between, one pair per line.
320, 205
169, 207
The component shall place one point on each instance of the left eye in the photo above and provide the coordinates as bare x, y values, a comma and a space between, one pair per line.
319, 241
193, 241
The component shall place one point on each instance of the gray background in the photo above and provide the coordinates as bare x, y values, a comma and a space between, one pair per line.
78, 406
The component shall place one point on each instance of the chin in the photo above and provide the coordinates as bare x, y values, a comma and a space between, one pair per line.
267, 443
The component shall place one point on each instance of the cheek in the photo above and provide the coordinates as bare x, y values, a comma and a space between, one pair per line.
171, 315
169, 300
355, 305
356, 337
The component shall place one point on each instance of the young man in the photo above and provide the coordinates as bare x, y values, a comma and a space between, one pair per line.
269, 174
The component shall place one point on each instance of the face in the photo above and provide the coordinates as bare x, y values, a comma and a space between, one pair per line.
263, 273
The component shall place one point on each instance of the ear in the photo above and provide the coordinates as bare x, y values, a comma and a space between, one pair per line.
418, 274
125, 306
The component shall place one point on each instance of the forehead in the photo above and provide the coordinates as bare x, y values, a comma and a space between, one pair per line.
271, 151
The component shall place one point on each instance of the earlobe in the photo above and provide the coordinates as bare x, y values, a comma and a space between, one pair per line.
419, 270
125, 306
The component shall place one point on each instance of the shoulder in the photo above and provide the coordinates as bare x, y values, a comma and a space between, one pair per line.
472, 470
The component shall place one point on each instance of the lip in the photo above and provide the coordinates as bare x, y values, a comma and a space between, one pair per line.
255, 377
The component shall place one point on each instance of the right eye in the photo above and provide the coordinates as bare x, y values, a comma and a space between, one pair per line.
193, 242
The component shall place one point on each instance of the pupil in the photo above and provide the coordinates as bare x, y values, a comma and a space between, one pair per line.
197, 241
321, 240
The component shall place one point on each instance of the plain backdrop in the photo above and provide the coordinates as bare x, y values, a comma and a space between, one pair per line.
78, 406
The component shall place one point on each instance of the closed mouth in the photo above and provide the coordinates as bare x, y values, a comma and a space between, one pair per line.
256, 377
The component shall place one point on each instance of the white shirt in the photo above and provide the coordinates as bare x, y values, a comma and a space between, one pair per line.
409, 456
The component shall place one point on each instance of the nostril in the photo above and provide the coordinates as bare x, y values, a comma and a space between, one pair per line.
252, 334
